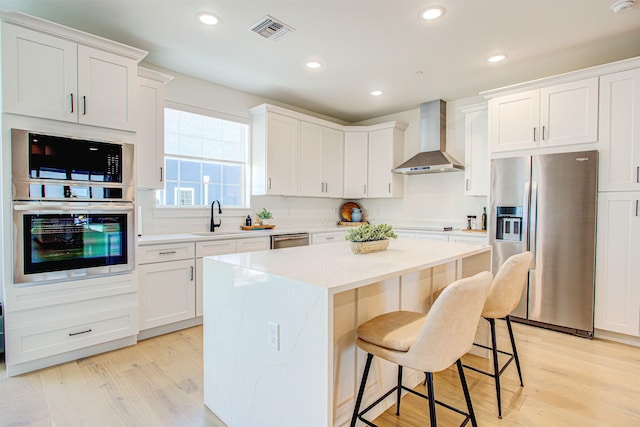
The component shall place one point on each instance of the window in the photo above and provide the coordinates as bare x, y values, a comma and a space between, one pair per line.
205, 159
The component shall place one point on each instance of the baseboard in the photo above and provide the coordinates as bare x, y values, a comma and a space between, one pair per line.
166, 329
616, 337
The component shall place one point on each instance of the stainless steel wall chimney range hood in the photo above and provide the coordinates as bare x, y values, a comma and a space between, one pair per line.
432, 157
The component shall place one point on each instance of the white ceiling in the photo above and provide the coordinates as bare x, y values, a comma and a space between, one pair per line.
364, 44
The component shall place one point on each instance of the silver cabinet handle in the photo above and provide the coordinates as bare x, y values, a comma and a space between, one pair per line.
71, 96
638, 174
167, 253
71, 334
84, 105
269, 187
322, 187
467, 185
544, 128
326, 187
191, 279
365, 189
161, 174
329, 238
637, 203
389, 188
534, 135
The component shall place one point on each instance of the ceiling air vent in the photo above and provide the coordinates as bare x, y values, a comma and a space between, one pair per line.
270, 28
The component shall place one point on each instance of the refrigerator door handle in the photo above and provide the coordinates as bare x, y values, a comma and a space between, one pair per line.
526, 241
533, 222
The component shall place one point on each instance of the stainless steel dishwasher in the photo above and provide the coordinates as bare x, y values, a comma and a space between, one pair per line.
279, 241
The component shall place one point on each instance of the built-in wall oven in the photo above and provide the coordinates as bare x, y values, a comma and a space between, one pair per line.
73, 207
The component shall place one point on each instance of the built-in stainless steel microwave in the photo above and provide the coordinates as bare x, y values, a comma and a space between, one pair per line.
49, 167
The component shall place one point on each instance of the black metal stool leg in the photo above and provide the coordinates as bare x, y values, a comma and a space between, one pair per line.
496, 369
513, 346
467, 396
363, 383
432, 400
399, 393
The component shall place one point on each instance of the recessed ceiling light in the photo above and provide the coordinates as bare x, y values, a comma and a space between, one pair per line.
376, 92
313, 64
432, 12
208, 18
498, 57
622, 5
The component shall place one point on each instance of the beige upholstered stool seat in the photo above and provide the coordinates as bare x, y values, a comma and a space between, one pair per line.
395, 331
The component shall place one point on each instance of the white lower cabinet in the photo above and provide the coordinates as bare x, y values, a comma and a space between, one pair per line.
167, 283
617, 303
57, 322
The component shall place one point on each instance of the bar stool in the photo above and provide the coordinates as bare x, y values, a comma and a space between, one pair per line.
504, 295
428, 343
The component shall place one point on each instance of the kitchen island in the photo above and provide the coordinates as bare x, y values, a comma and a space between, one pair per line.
279, 326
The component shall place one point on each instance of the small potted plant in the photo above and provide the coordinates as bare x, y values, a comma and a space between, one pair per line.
264, 216
368, 238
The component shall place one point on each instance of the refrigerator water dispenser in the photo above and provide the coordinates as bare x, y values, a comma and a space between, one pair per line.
509, 223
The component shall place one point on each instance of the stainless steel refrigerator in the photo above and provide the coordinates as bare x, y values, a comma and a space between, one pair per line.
547, 204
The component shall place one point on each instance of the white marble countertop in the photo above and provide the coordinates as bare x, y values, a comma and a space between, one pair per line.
335, 267
241, 234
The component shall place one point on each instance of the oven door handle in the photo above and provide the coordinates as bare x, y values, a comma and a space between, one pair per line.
52, 207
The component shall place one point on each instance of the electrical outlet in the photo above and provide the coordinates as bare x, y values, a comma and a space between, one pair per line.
273, 335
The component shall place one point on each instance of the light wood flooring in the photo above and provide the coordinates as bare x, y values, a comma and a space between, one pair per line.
569, 381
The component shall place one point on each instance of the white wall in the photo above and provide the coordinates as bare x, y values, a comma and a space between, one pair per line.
429, 199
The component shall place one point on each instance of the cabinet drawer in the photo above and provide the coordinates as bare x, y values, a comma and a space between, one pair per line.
50, 338
319, 238
167, 252
215, 247
253, 244
54, 294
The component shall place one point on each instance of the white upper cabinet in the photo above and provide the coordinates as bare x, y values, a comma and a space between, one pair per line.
274, 164
620, 132
150, 133
385, 153
562, 114
355, 164
56, 78
321, 152
476, 150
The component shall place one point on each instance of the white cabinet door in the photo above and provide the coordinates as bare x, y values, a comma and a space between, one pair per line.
39, 74
619, 168
617, 302
106, 89
321, 165
167, 293
210, 248
514, 119
385, 148
355, 164
282, 155
150, 135
569, 113
311, 148
476, 154
332, 162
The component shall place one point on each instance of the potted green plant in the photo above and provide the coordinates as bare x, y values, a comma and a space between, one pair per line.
264, 216
368, 238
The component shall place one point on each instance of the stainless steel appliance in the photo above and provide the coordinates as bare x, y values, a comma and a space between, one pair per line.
73, 207
279, 241
547, 204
